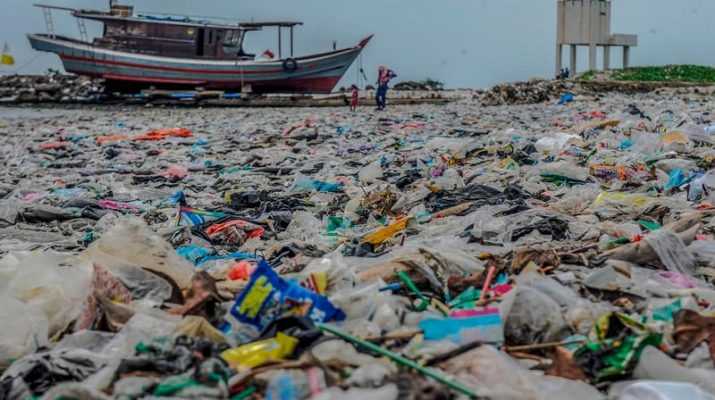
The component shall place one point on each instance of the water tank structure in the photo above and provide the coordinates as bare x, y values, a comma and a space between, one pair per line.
588, 23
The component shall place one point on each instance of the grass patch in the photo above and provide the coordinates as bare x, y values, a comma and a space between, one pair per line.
586, 76
667, 73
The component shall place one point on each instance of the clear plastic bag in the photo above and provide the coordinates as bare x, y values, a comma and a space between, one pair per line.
144, 325
534, 318
577, 199
387, 392
304, 226
132, 243
663, 390
703, 251
24, 329
48, 282
371, 172
555, 142
495, 375
656, 365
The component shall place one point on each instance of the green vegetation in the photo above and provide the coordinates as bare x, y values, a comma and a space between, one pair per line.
586, 76
668, 73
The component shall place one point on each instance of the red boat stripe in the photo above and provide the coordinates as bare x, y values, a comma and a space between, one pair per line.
299, 81
149, 79
161, 68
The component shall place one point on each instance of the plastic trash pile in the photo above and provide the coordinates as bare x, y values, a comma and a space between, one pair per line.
550, 251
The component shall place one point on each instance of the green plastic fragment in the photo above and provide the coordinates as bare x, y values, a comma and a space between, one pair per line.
665, 313
561, 179
651, 226
170, 388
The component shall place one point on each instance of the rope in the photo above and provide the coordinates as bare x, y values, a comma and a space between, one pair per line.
17, 70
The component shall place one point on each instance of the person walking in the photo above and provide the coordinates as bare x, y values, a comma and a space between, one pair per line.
354, 95
384, 75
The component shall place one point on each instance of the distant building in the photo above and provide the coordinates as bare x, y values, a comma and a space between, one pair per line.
588, 23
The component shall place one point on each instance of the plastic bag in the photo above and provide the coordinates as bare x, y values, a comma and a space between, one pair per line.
371, 172
387, 392
555, 143
663, 390
534, 318
304, 226
44, 281
341, 353
671, 251
495, 375
656, 365
9, 207
577, 199
132, 243
302, 182
645, 142
703, 251
24, 329
142, 326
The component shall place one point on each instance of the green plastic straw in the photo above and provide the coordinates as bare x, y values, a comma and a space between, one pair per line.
397, 358
246, 393
411, 285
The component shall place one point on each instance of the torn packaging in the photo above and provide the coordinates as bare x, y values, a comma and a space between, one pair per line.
691, 329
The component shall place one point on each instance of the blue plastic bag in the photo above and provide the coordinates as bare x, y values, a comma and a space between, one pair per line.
676, 178
566, 98
194, 253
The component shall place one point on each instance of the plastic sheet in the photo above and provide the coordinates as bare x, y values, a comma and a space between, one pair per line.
132, 243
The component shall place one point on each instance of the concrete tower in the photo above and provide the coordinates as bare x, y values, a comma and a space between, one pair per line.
588, 23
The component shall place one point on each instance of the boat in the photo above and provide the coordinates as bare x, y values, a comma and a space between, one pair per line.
138, 51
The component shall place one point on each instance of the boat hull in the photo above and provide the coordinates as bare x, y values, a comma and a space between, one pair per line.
318, 73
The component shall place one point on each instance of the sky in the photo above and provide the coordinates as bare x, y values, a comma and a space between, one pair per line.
463, 43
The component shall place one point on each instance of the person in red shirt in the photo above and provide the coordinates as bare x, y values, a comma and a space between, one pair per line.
384, 75
354, 94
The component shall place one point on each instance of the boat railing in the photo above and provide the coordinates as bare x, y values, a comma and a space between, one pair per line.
225, 20
50, 25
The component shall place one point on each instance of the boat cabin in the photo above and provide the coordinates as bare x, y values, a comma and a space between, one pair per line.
169, 36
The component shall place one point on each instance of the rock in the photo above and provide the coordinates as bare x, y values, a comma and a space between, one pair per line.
49, 88
410, 85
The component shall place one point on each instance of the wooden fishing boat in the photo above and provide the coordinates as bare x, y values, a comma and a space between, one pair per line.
145, 50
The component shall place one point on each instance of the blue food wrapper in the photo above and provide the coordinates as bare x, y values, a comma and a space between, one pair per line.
487, 328
268, 297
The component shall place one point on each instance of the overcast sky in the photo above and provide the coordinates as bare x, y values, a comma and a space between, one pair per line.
464, 43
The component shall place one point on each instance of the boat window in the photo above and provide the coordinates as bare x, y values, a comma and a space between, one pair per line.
200, 42
211, 37
231, 39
